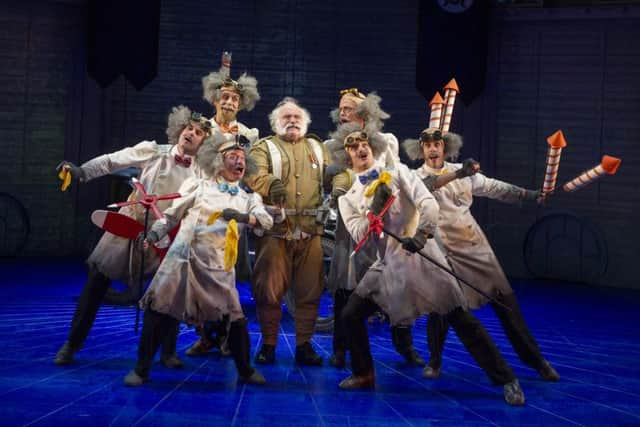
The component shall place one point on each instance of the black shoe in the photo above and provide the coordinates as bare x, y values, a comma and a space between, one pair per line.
306, 355
513, 394
64, 356
413, 358
171, 361
548, 373
338, 359
266, 355
132, 379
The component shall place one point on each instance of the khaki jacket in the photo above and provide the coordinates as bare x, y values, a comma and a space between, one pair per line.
302, 176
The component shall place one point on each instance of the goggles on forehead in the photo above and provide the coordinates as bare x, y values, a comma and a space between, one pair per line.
229, 82
239, 142
431, 136
355, 137
352, 91
201, 121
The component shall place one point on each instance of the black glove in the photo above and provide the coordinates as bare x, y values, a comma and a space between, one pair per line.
277, 192
469, 167
333, 170
337, 192
380, 198
229, 214
76, 171
415, 243
530, 195
430, 182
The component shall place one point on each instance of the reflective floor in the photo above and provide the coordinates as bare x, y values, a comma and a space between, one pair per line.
590, 335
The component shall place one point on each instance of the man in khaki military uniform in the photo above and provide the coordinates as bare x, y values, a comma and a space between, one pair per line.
291, 166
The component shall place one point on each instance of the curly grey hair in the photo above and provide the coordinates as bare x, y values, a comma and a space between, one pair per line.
368, 110
452, 145
211, 160
336, 147
246, 85
179, 118
273, 116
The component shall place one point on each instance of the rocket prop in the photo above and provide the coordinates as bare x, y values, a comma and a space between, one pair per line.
225, 61
556, 144
608, 165
450, 91
442, 108
436, 110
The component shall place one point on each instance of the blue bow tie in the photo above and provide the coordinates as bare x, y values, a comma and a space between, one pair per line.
364, 179
226, 188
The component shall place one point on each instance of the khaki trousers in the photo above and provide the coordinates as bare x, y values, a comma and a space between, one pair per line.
280, 264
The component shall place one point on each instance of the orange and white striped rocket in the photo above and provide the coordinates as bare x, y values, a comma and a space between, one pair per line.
450, 91
608, 165
556, 144
436, 110
225, 62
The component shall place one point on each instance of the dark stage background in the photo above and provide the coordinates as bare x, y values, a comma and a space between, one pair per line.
575, 69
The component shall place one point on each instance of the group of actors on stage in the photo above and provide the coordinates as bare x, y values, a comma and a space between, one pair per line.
232, 183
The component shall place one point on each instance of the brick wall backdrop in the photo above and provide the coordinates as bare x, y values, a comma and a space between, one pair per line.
576, 70
567, 68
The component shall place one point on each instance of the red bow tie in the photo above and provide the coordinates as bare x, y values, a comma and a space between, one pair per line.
182, 161
229, 129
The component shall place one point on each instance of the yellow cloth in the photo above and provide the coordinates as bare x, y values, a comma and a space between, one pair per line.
385, 178
231, 245
214, 217
65, 176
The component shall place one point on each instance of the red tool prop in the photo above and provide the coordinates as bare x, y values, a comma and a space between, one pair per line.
128, 228
148, 201
375, 224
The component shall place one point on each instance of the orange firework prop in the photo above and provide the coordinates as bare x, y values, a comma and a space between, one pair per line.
609, 165
556, 144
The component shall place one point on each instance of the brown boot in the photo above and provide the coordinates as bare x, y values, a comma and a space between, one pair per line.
200, 347
362, 382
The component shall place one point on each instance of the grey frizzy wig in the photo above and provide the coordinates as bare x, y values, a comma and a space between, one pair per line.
179, 118
211, 161
246, 85
368, 110
336, 148
452, 146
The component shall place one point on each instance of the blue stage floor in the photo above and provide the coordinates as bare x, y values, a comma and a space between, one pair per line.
590, 335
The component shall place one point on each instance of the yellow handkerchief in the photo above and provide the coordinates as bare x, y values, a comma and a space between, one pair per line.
65, 176
214, 217
385, 178
231, 245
